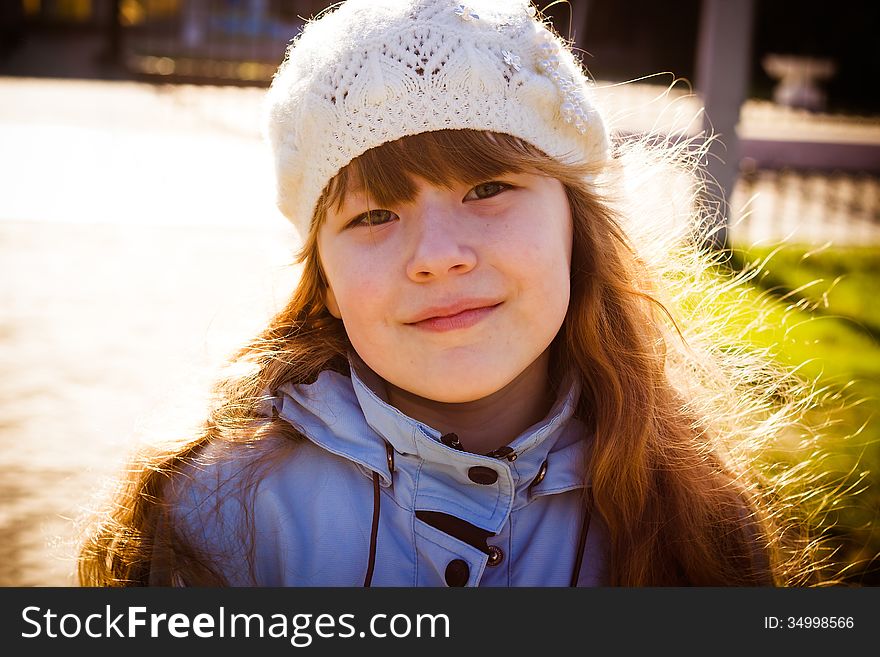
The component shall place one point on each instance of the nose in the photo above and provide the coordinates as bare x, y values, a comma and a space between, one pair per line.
439, 246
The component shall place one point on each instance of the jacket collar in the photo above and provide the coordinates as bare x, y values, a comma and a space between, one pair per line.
350, 417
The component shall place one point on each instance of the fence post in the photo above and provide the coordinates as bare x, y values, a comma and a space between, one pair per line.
722, 75
112, 53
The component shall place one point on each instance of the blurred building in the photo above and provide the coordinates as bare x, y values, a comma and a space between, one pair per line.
785, 83
231, 41
619, 39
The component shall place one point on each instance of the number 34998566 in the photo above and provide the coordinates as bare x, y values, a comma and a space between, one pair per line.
809, 622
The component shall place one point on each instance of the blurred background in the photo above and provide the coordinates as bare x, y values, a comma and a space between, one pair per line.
140, 244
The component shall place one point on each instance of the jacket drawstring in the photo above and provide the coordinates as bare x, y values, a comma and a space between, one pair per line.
374, 532
582, 542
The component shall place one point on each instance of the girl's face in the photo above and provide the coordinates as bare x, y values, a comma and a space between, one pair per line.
452, 295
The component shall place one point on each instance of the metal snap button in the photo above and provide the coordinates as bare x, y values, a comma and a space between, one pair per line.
457, 572
389, 455
505, 452
541, 474
480, 474
496, 556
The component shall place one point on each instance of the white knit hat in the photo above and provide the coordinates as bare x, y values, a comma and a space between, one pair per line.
373, 71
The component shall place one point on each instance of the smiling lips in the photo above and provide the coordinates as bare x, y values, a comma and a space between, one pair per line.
463, 314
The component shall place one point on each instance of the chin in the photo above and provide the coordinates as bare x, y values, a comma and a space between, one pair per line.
458, 387
459, 397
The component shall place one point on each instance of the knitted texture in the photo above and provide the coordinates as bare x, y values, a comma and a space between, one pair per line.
373, 71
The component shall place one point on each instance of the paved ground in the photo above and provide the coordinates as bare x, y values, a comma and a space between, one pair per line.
139, 244
108, 334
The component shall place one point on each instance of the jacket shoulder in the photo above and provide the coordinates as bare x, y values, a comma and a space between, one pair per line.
260, 511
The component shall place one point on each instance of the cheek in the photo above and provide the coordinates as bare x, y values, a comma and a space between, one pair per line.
545, 255
359, 296
543, 268
347, 274
552, 279
363, 295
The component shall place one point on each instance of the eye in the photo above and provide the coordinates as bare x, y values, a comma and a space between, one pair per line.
486, 190
372, 218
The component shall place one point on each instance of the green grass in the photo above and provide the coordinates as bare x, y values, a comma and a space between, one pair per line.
840, 281
824, 317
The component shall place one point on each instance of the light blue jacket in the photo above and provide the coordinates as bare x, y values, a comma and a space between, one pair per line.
445, 517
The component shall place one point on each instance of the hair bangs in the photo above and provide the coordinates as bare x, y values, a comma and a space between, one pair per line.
442, 158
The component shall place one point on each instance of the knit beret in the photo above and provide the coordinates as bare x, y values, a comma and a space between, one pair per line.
372, 71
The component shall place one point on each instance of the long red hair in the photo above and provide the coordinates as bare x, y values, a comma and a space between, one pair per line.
681, 503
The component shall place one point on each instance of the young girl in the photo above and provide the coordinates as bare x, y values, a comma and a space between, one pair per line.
475, 382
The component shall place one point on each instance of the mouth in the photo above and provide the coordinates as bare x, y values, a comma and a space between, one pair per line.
459, 316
